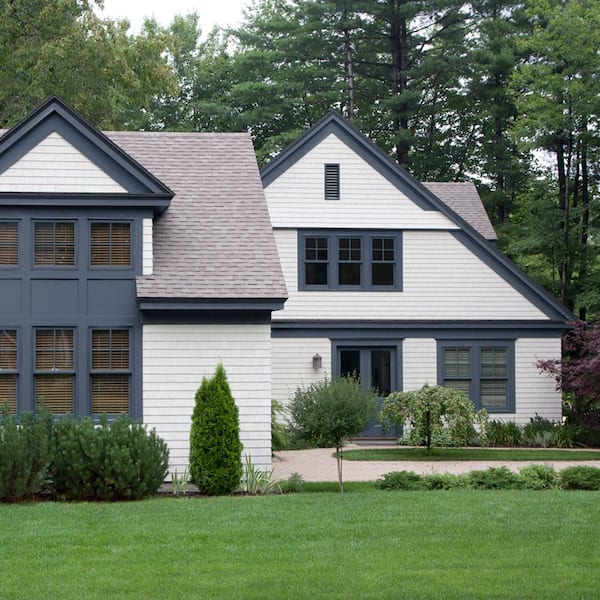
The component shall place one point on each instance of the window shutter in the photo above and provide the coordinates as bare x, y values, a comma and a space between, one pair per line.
332, 182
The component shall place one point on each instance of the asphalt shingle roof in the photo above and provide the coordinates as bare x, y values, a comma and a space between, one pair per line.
215, 241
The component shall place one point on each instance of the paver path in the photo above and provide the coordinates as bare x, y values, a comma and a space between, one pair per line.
320, 465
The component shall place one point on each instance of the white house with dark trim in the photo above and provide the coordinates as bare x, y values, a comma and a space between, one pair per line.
132, 263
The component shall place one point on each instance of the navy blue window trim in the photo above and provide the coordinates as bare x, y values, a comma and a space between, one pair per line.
349, 260
54, 244
484, 369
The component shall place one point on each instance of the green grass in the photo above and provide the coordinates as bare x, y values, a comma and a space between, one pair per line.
364, 544
487, 454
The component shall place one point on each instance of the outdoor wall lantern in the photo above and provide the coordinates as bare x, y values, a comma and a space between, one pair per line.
317, 361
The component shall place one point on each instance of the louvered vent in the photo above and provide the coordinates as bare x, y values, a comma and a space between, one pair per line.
332, 182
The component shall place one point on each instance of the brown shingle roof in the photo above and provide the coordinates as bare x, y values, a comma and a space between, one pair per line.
464, 200
215, 240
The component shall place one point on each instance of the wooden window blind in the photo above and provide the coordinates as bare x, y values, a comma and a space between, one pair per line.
110, 244
110, 371
8, 370
54, 243
55, 392
9, 243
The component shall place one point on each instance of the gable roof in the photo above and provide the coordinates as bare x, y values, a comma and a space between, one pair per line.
460, 203
215, 242
139, 186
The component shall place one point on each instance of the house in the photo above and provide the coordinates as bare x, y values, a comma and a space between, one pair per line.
400, 282
132, 263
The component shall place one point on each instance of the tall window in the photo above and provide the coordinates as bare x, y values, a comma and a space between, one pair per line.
54, 243
483, 370
54, 370
110, 244
8, 369
9, 243
110, 371
332, 182
348, 259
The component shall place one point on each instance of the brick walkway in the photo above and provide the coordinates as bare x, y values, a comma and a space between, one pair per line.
320, 465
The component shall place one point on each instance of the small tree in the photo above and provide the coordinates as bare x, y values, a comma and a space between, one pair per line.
432, 412
327, 412
215, 447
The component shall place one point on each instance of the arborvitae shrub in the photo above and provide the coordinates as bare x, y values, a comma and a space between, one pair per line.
24, 454
215, 447
113, 461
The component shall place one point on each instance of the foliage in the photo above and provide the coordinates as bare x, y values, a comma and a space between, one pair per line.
401, 480
445, 481
431, 412
215, 447
329, 411
294, 484
538, 477
113, 461
256, 482
580, 478
179, 483
503, 433
25, 454
279, 434
494, 478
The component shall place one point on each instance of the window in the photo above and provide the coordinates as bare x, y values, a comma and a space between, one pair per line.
351, 260
8, 369
110, 371
110, 244
54, 243
332, 182
9, 243
54, 370
483, 370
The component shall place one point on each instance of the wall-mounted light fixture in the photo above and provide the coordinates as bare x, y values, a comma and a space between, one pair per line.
317, 361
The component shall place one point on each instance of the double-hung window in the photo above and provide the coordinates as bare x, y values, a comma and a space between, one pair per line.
54, 243
54, 373
110, 371
8, 369
110, 244
484, 370
9, 243
350, 260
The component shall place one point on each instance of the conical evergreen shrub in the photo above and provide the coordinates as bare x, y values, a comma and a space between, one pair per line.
215, 447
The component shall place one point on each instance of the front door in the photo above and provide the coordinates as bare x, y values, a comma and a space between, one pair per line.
375, 367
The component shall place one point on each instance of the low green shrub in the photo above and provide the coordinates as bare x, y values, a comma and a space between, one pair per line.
494, 478
500, 433
113, 461
294, 484
401, 480
538, 477
257, 482
580, 478
25, 454
444, 481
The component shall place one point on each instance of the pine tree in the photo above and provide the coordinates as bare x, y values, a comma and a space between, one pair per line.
215, 447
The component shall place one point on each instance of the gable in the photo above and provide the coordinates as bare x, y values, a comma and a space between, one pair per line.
55, 165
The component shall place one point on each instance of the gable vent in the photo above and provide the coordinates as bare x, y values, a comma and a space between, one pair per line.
332, 182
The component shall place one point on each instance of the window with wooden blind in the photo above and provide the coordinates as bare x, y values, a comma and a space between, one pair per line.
9, 243
54, 243
110, 245
54, 370
8, 369
110, 371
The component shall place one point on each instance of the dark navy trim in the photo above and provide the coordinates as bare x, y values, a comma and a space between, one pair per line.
204, 317
334, 123
213, 304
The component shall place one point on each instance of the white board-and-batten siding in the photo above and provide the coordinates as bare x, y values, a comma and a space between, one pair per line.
367, 199
54, 165
177, 357
441, 279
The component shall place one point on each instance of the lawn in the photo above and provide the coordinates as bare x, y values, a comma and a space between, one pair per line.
364, 544
487, 454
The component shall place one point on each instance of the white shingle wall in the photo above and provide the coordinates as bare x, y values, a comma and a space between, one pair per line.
147, 249
54, 165
442, 280
176, 357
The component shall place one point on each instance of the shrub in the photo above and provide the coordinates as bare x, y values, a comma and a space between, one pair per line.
433, 413
444, 481
327, 412
113, 461
215, 447
25, 454
256, 482
580, 478
501, 433
294, 484
538, 477
494, 478
401, 480
539, 432
279, 434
